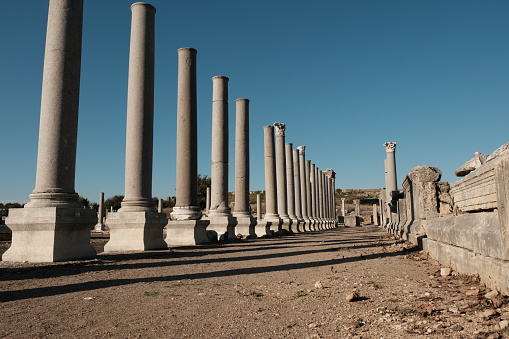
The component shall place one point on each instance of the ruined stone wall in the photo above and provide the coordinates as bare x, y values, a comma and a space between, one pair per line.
464, 225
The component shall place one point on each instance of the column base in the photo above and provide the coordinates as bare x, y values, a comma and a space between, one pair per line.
99, 227
286, 225
275, 222
49, 234
135, 231
186, 232
246, 225
262, 228
223, 225
186, 213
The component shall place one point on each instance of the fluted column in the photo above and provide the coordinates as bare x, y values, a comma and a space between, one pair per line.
290, 189
242, 211
320, 199
186, 206
53, 226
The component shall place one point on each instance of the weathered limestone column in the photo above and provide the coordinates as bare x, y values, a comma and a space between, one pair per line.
271, 209
207, 201
160, 205
53, 226
390, 180
357, 203
297, 194
312, 221
185, 228
306, 226
313, 191
242, 212
375, 215
333, 204
320, 198
258, 206
219, 214
281, 180
290, 189
99, 227
137, 225
343, 211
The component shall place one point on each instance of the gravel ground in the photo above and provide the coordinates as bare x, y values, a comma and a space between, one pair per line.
350, 282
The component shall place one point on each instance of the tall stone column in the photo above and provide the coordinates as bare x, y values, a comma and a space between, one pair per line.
304, 189
333, 197
313, 193
137, 225
375, 215
258, 206
185, 227
308, 196
390, 180
281, 180
160, 205
53, 226
186, 207
290, 189
207, 201
297, 194
343, 211
99, 227
219, 214
242, 212
271, 207
320, 198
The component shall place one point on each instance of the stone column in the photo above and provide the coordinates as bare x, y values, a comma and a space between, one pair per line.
343, 211
320, 198
375, 215
390, 180
99, 227
304, 188
219, 213
186, 228
312, 187
137, 225
290, 189
160, 206
297, 194
53, 226
258, 206
271, 207
333, 204
242, 212
308, 196
207, 201
186, 207
357, 207
282, 200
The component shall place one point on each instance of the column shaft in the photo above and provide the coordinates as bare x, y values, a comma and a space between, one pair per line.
290, 189
270, 172
281, 170
219, 169
296, 183
242, 157
186, 207
140, 111
56, 157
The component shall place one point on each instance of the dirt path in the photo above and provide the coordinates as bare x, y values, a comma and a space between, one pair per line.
288, 287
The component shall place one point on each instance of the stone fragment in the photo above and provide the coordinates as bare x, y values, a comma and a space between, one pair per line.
471, 165
318, 284
488, 313
456, 327
503, 324
472, 292
491, 295
351, 296
445, 271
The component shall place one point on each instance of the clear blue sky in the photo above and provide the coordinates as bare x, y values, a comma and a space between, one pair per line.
344, 75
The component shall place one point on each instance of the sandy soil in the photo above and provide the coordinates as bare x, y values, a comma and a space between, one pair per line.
288, 287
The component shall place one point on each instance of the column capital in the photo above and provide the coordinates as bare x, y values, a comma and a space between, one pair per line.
390, 147
302, 150
280, 129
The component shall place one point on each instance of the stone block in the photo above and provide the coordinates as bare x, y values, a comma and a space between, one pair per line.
186, 232
135, 231
352, 220
48, 234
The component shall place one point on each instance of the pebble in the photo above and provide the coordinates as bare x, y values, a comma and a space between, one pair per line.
503, 324
472, 292
457, 327
318, 284
488, 313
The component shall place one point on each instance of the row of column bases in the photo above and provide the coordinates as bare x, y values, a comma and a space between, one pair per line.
54, 227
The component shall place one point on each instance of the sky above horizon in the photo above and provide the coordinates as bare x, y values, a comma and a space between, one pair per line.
345, 76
